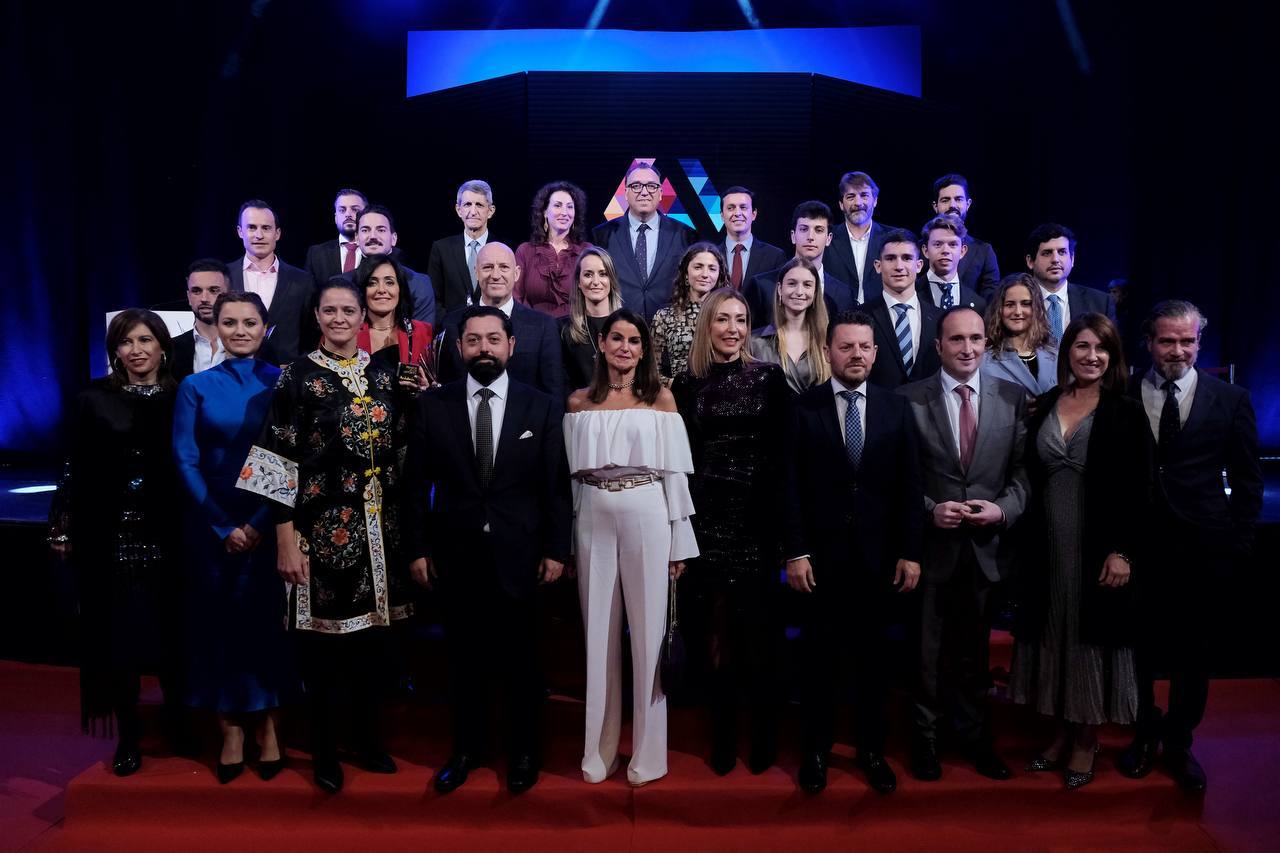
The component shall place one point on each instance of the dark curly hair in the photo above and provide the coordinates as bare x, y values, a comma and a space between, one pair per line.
542, 199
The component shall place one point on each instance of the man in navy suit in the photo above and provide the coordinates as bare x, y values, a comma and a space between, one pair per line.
944, 249
488, 513
1202, 535
1051, 255
906, 326
855, 244
746, 255
979, 270
645, 245
284, 289
342, 254
452, 267
376, 233
536, 359
852, 534
811, 223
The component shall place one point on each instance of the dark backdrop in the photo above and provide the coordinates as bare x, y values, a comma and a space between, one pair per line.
137, 132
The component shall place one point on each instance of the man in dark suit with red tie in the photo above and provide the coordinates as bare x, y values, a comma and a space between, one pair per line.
746, 254
645, 245
342, 254
1202, 534
979, 270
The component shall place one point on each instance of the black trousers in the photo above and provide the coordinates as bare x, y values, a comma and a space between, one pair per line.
845, 628
955, 641
340, 670
489, 632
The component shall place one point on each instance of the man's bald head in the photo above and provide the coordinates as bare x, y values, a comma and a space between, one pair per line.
497, 273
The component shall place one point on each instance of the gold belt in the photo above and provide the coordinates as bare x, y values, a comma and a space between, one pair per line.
617, 484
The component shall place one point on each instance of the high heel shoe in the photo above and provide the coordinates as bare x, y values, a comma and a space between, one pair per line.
228, 772
1040, 764
128, 758
1076, 779
268, 770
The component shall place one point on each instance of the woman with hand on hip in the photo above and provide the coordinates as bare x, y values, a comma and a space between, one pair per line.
629, 457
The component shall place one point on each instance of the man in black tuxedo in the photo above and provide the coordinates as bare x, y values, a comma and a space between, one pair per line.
342, 254
944, 248
452, 265
200, 348
1051, 255
376, 235
645, 245
746, 255
856, 244
498, 525
979, 270
811, 223
284, 289
906, 326
851, 535
972, 432
536, 359
1203, 426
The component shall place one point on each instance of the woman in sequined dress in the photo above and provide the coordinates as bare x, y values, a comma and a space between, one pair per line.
735, 410
114, 513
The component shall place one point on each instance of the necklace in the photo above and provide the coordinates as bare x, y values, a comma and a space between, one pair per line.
382, 328
622, 385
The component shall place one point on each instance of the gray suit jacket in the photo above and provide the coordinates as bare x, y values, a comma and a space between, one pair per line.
1009, 368
996, 474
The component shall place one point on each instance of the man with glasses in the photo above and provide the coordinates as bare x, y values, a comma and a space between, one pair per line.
645, 245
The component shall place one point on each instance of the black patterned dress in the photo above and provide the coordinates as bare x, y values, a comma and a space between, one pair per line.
329, 456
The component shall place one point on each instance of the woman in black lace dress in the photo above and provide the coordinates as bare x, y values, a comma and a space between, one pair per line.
735, 411
115, 515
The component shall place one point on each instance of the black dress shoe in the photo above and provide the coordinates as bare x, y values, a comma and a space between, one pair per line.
454, 773
988, 763
127, 760
879, 773
724, 756
925, 765
1186, 771
268, 770
227, 772
1138, 759
522, 774
813, 773
328, 774
375, 761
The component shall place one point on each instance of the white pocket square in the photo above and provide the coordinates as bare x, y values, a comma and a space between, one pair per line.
526, 434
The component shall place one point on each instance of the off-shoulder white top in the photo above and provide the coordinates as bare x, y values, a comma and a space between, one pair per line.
613, 443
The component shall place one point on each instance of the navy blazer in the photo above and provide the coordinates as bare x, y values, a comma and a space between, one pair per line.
1083, 300
966, 296
1220, 434
527, 505
536, 360
762, 258
888, 371
645, 296
759, 292
293, 323
855, 524
838, 259
979, 270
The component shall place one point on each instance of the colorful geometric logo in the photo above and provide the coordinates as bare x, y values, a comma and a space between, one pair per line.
669, 204
706, 191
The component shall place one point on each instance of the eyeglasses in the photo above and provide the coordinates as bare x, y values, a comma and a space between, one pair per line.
639, 188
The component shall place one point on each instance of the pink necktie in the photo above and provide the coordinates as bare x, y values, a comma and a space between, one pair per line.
968, 426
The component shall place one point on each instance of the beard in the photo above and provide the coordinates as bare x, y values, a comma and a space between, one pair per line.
348, 230
1174, 370
485, 368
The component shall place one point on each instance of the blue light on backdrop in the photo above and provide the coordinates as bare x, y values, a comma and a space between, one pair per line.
884, 57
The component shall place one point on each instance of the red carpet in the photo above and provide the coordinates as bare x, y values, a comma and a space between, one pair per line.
175, 804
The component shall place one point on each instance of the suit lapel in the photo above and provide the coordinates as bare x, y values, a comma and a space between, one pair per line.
826, 412
987, 402
461, 421
666, 233
880, 313
620, 248
1200, 405
512, 418
941, 423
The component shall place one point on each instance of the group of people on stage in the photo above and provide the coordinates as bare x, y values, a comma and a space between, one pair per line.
873, 417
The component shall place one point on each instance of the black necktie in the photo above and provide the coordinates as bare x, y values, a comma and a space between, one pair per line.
484, 436
642, 251
1169, 419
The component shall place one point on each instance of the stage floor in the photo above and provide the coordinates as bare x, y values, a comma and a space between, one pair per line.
56, 794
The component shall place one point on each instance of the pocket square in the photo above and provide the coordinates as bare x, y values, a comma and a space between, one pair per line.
526, 434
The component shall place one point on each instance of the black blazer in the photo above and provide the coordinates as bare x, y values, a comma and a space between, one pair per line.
527, 505
184, 355
759, 292
854, 524
1085, 300
838, 259
1221, 433
966, 296
762, 258
450, 278
536, 360
888, 371
1115, 516
645, 296
324, 261
979, 270
293, 325
579, 360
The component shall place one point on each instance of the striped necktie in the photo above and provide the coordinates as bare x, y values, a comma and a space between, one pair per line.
852, 428
902, 328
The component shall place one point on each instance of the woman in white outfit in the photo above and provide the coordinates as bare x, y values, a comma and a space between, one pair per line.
629, 456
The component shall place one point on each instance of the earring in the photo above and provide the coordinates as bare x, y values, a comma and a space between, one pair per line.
116, 364
164, 359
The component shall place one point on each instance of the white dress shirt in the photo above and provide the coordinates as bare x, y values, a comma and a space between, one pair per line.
952, 401
342, 251
261, 281
935, 287
1153, 397
1061, 293
746, 253
497, 407
913, 318
208, 353
842, 407
859, 253
467, 240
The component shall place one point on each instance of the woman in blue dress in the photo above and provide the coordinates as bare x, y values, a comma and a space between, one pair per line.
238, 660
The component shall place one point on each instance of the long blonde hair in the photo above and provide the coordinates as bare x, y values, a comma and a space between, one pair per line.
815, 322
579, 332
701, 350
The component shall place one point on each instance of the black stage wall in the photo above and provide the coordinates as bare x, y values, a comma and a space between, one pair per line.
136, 131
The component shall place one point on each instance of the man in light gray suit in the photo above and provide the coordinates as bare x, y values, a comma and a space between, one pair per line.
975, 486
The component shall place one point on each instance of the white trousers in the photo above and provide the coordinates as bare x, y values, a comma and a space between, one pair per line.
623, 542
